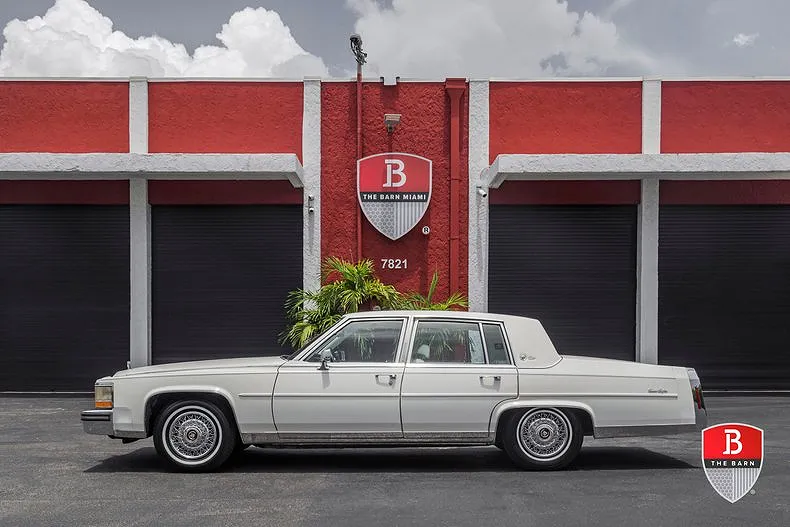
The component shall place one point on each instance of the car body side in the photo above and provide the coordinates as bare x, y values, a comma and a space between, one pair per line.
614, 398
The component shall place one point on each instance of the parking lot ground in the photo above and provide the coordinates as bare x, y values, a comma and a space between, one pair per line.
51, 473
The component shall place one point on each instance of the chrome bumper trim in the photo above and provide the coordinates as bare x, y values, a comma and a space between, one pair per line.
97, 422
701, 418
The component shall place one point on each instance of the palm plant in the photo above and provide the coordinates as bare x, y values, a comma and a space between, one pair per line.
348, 288
416, 301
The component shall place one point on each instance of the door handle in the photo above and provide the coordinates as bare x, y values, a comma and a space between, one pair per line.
495, 377
390, 377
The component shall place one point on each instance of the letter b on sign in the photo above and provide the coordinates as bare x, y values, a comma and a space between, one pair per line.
395, 168
733, 437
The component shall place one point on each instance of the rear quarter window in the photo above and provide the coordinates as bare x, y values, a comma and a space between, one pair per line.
495, 344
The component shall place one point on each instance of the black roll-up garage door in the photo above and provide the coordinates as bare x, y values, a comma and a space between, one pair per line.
64, 295
220, 277
571, 266
724, 293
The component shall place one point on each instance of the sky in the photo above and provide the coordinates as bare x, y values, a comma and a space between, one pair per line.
429, 39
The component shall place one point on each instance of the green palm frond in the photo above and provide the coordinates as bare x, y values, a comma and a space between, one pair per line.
417, 301
347, 288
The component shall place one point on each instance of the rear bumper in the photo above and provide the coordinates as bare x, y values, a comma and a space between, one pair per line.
700, 418
97, 422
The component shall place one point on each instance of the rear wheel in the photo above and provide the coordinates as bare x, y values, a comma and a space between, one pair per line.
194, 436
543, 438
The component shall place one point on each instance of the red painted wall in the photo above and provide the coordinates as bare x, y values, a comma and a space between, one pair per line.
743, 192
245, 192
64, 117
225, 117
725, 117
83, 192
566, 193
565, 117
424, 130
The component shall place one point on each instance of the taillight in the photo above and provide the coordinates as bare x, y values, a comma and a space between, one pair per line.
696, 389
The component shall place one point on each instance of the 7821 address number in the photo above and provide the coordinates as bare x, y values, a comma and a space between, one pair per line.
394, 263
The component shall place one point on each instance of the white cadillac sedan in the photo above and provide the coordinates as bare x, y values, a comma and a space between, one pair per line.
399, 378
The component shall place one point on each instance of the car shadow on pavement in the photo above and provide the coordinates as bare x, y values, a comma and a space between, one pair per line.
484, 459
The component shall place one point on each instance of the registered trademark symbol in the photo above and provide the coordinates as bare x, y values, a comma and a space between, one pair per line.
752, 492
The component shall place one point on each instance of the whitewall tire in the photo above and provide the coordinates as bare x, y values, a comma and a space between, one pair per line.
543, 438
194, 436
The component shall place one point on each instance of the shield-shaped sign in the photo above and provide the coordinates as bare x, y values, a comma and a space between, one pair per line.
394, 190
732, 457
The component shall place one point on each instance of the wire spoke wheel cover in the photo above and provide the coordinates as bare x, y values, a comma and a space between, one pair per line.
192, 435
544, 434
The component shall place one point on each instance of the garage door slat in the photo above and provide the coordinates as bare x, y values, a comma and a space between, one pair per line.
220, 277
571, 266
724, 293
64, 295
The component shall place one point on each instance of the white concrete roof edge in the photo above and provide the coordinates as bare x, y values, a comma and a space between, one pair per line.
240, 166
729, 165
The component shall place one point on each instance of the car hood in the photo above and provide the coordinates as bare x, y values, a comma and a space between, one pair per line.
213, 364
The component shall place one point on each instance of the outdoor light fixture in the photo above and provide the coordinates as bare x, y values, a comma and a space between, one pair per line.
356, 49
391, 121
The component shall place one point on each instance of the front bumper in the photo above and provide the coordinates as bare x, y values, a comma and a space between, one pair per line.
97, 422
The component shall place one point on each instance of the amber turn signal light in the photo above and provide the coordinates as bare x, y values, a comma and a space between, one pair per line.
103, 397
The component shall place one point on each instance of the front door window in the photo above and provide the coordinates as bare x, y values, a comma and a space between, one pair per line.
362, 341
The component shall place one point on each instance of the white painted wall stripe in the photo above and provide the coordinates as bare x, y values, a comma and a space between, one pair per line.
478, 205
651, 116
647, 273
140, 273
311, 159
138, 115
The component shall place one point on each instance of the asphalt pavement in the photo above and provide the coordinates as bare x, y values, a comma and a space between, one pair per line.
52, 474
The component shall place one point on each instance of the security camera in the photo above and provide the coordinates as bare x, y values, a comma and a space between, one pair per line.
482, 191
391, 120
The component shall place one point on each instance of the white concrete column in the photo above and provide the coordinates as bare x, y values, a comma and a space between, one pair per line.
651, 117
140, 273
139, 232
647, 273
647, 231
478, 204
138, 115
311, 161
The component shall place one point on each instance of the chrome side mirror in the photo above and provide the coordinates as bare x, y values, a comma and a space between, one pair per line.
326, 358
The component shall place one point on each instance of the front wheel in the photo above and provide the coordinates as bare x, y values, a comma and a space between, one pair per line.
543, 438
194, 436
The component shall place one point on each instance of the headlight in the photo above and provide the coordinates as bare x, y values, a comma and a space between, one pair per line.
103, 396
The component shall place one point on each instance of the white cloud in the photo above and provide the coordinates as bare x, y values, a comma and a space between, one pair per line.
742, 39
493, 38
412, 38
74, 39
